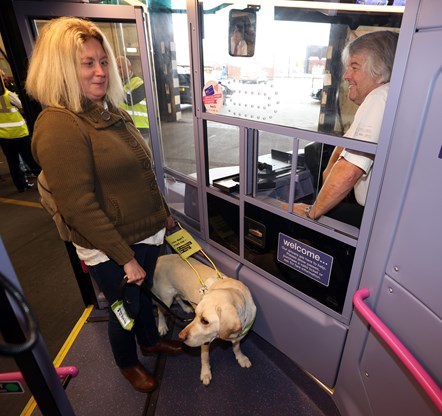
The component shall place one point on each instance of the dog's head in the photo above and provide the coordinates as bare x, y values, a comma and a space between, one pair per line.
220, 314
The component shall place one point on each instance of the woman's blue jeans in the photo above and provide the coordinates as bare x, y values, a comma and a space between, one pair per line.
109, 276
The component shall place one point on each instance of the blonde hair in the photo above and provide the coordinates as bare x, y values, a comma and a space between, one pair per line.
53, 70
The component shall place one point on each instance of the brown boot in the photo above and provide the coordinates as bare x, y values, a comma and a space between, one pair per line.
140, 378
163, 345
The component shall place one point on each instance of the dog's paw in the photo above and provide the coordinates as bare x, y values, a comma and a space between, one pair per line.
206, 377
244, 361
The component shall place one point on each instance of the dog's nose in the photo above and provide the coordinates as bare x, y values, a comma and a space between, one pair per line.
182, 335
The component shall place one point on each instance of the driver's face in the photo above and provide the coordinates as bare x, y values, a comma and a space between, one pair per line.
360, 81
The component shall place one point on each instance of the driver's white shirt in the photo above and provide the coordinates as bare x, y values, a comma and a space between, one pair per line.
366, 126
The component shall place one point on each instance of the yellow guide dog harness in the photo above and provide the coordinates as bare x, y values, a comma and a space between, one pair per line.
185, 245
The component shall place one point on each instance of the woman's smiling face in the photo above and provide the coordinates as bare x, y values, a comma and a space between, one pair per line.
94, 70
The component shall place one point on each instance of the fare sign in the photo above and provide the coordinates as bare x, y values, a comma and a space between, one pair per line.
305, 259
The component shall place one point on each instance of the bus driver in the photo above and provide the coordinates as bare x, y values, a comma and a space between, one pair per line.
368, 64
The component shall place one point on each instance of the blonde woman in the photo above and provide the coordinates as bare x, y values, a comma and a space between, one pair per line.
100, 173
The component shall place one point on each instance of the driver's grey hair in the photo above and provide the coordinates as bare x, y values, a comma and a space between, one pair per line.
379, 49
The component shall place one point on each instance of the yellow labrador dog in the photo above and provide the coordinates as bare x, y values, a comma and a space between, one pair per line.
225, 310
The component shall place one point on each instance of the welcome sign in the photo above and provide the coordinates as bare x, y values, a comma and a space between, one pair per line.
305, 259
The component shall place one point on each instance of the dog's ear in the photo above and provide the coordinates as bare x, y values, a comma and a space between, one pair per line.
229, 322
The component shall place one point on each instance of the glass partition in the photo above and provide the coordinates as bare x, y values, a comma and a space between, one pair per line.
170, 36
273, 172
276, 179
171, 53
294, 75
223, 156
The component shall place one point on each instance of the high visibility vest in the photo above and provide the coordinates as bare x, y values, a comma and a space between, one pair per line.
12, 123
138, 111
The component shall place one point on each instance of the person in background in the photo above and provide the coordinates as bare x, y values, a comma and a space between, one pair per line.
9, 82
135, 99
238, 46
14, 138
99, 169
368, 62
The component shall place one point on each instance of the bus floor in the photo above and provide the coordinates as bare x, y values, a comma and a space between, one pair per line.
273, 385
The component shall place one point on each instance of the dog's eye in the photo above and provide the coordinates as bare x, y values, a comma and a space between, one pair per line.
204, 321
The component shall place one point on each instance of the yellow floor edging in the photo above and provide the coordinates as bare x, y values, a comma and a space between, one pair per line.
18, 202
32, 404
329, 390
72, 336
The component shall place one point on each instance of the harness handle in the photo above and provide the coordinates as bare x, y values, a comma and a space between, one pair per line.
185, 245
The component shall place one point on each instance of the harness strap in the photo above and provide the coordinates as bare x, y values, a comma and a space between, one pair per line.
203, 284
185, 245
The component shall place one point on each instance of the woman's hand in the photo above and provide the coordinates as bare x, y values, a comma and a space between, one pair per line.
170, 222
134, 272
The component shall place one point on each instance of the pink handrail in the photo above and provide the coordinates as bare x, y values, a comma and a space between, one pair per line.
62, 372
423, 378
